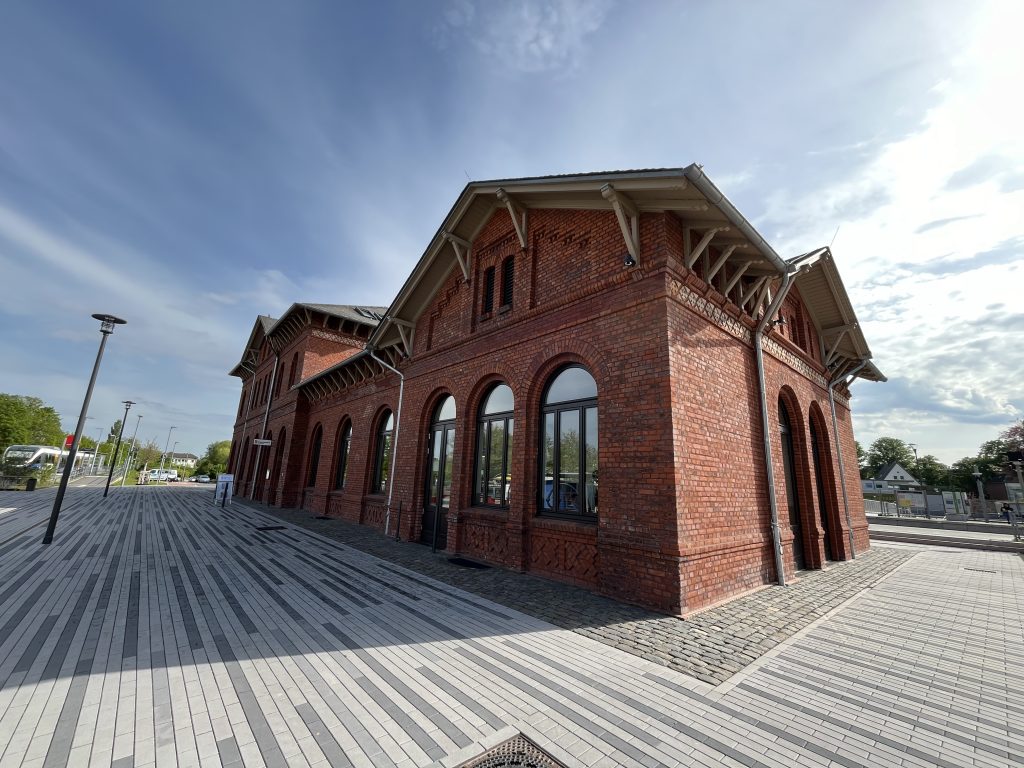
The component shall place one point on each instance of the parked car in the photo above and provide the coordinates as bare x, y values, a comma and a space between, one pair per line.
203, 479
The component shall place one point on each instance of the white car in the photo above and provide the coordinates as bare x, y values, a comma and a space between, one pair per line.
203, 479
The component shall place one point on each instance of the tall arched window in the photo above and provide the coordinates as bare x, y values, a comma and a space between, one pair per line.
314, 456
341, 468
494, 448
792, 490
568, 445
382, 460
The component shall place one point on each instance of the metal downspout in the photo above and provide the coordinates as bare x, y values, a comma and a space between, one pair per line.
394, 445
263, 429
839, 450
787, 280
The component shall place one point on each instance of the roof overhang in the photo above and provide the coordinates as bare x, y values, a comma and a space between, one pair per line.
687, 192
844, 347
250, 357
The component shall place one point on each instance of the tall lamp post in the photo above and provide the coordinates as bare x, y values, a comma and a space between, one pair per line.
174, 449
107, 323
131, 450
117, 446
164, 456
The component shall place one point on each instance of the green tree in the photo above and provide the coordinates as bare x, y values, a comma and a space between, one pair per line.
215, 460
28, 421
886, 450
148, 454
929, 471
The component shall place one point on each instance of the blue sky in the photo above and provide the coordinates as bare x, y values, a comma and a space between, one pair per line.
190, 165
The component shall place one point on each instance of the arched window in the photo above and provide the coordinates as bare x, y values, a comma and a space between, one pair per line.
341, 468
494, 447
382, 459
792, 490
314, 456
568, 445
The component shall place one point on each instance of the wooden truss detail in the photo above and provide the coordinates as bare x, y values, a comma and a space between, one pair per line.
461, 248
629, 219
518, 214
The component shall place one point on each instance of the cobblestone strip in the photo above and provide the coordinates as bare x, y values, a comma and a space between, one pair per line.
711, 645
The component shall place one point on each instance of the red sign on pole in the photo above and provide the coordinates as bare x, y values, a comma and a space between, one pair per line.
68, 441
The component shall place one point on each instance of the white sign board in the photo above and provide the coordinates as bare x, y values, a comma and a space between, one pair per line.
222, 494
257, 441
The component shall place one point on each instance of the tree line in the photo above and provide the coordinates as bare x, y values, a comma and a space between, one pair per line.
26, 420
990, 460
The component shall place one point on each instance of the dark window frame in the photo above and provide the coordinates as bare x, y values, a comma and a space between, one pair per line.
579, 407
314, 456
487, 302
383, 442
508, 276
482, 475
343, 452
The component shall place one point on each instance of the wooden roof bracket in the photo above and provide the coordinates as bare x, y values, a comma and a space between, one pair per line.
408, 333
720, 262
691, 258
754, 288
735, 278
624, 208
833, 350
461, 248
518, 214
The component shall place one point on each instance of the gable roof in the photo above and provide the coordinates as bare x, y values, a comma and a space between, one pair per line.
825, 297
282, 330
251, 355
885, 471
687, 192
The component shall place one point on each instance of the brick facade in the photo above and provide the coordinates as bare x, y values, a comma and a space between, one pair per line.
683, 519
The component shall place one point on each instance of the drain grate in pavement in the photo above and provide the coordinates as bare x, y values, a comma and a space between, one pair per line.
517, 751
980, 570
271, 528
461, 561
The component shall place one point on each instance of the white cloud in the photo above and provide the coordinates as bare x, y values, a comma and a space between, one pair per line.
529, 36
902, 223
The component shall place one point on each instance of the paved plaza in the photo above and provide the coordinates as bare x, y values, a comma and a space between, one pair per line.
158, 629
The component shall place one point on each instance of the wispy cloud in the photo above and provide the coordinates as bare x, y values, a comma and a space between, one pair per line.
529, 36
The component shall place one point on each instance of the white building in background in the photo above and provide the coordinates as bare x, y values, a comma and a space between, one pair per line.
889, 479
187, 460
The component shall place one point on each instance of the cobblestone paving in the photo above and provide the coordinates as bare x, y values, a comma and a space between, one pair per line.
711, 645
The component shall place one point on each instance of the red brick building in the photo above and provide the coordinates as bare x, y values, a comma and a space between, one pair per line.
576, 380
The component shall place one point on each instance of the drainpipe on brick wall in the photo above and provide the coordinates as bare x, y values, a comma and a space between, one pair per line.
394, 445
263, 429
846, 379
787, 281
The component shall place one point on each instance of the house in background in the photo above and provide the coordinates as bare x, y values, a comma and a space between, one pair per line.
611, 379
187, 460
889, 479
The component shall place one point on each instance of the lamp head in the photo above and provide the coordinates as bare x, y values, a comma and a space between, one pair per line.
628, 260
107, 323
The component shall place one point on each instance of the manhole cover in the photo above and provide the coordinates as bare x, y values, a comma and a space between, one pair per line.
271, 528
517, 751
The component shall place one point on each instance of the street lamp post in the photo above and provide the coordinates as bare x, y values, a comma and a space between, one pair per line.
131, 450
117, 446
107, 323
174, 449
95, 450
164, 456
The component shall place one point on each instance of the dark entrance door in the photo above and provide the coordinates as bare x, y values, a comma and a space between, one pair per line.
819, 480
437, 496
792, 492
